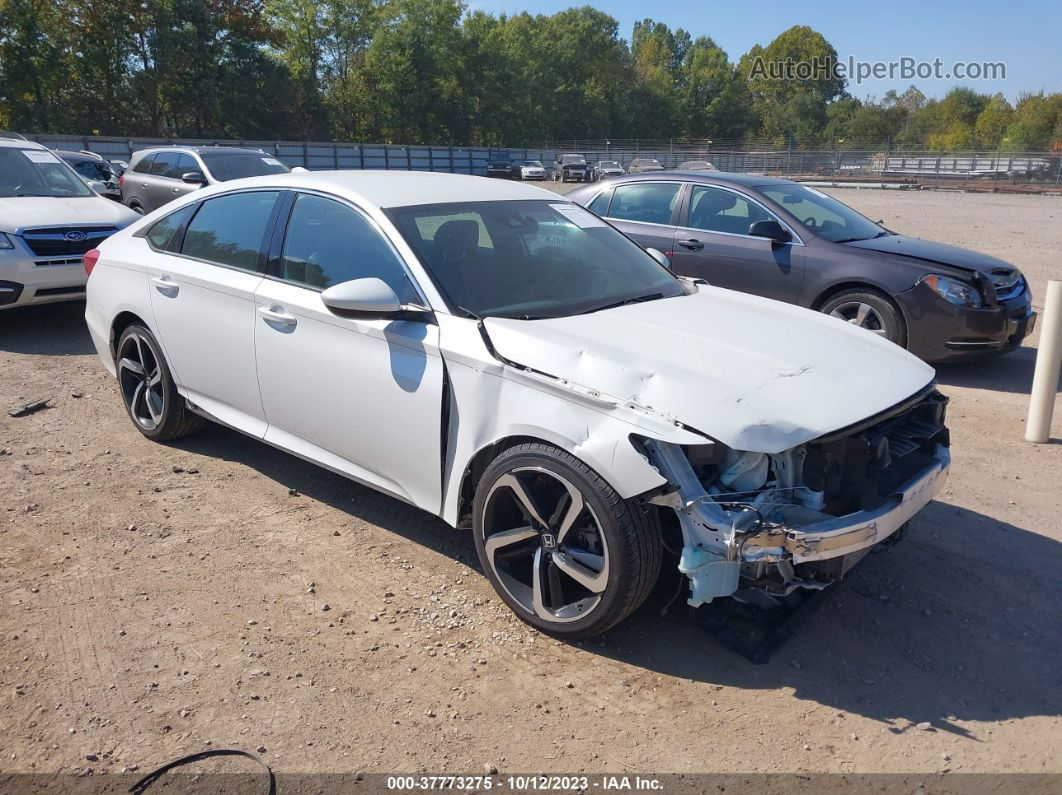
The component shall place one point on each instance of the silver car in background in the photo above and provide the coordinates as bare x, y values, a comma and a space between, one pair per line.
100, 175
160, 175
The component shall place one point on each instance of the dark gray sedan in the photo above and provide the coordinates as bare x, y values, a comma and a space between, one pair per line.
787, 241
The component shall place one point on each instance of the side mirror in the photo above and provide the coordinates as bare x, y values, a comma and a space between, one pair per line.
368, 297
772, 230
193, 177
659, 256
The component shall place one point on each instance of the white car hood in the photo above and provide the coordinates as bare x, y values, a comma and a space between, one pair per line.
32, 211
753, 373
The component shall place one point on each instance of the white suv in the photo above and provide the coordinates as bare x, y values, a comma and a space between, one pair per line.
49, 218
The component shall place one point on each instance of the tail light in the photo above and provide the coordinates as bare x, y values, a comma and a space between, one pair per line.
121, 180
89, 260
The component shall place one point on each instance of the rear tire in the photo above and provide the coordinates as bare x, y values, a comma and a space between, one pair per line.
868, 310
151, 399
541, 517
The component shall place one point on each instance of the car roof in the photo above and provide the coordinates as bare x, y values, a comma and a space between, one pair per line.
722, 177
20, 143
385, 189
230, 150
78, 156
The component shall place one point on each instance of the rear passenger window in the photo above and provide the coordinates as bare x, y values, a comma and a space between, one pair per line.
229, 230
144, 165
162, 233
328, 243
647, 202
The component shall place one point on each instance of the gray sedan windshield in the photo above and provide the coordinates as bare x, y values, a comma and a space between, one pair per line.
529, 258
823, 214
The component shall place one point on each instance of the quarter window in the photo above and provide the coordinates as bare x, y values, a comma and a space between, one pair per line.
162, 233
144, 165
646, 202
600, 203
718, 210
229, 230
328, 243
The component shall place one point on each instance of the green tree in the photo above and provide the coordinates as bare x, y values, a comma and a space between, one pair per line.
992, 122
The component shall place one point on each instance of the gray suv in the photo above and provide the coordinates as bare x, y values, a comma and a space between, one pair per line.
158, 176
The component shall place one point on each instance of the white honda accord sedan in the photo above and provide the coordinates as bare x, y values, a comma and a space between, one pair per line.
504, 359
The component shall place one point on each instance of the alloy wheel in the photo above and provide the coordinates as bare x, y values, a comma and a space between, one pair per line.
860, 314
545, 545
140, 378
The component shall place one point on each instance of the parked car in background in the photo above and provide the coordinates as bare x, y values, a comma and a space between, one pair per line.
571, 168
499, 167
607, 168
96, 171
564, 392
119, 166
642, 165
49, 217
776, 238
529, 169
696, 165
157, 176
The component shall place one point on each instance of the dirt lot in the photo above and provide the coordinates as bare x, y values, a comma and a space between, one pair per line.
159, 599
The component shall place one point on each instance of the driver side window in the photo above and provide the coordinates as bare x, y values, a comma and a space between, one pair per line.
327, 243
718, 210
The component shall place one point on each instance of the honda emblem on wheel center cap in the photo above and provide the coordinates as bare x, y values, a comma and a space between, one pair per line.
549, 541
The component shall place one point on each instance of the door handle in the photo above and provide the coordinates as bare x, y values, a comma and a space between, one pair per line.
143, 184
276, 316
175, 190
166, 286
693, 244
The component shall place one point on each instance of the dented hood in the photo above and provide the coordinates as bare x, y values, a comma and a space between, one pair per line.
755, 374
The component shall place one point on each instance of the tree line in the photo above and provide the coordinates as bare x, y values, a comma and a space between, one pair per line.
433, 72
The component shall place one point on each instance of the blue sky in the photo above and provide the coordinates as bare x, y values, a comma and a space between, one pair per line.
1023, 34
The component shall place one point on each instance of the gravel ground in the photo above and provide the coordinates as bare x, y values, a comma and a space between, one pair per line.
158, 600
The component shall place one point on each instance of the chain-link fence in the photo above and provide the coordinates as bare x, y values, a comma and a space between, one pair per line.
882, 164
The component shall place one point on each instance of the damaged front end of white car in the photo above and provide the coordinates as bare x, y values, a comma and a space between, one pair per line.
803, 517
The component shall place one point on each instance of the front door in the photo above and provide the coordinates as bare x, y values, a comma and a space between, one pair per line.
712, 242
360, 396
202, 298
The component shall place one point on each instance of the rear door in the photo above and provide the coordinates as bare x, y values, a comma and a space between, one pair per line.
712, 243
202, 298
135, 182
161, 181
645, 211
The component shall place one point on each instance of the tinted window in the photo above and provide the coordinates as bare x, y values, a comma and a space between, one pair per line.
165, 164
648, 202
185, 164
600, 203
529, 258
328, 243
229, 230
144, 165
226, 165
162, 232
718, 210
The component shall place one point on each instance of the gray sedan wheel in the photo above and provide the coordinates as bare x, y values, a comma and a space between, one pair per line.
560, 547
869, 311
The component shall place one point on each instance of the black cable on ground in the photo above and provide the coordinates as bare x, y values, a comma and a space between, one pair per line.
158, 772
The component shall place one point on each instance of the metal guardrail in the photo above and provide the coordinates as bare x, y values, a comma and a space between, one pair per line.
882, 164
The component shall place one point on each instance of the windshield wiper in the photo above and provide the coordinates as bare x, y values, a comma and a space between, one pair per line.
625, 302
855, 239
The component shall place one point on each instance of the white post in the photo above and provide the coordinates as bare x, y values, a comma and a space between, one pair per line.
1048, 363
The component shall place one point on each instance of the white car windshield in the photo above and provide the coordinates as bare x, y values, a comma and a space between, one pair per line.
530, 258
533, 164
36, 172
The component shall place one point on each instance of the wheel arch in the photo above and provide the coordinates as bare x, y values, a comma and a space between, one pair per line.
865, 287
121, 322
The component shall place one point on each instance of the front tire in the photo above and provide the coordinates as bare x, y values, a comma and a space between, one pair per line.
150, 396
563, 550
870, 311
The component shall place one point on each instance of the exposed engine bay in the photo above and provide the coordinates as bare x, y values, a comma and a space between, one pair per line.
801, 518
